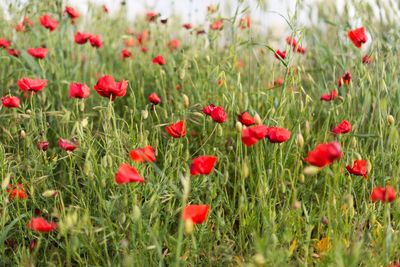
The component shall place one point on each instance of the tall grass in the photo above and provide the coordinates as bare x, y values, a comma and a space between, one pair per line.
264, 210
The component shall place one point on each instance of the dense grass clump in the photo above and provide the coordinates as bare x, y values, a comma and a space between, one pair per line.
267, 200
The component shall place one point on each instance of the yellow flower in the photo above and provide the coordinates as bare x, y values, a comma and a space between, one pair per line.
323, 245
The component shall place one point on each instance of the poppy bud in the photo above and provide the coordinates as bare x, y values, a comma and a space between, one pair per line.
145, 114
354, 142
23, 134
87, 168
136, 214
302, 178
104, 161
245, 170
390, 119
185, 100
82, 106
311, 170
49, 193
32, 245
189, 226
372, 219
308, 128
257, 119
297, 205
6, 182
220, 131
84, 122
259, 259
239, 127
300, 140
324, 220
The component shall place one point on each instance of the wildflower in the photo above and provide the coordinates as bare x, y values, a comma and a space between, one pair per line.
342, 128
329, 97
384, 194
17, 191
245, 22
106, 86
127, 174
125, 53
82, 38
95, 41
359, 168
154, 99
38, 52
4, 43
218, 114
143, 154
151, 16
39, 224
176, 130
195, 213
280, 54
202, 165
14, 52
71, 12
252, 134
27, 84
345, 79
11, 101
42, 145
324, 154
246, 119
159, 60
48, 23
366, 59
174, 44
278, 135
217, 25
187, 26
67, 145
79, 90
358, 36
208, 109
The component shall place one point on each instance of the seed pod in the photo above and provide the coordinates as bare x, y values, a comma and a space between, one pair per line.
311, 170
49, 193
22, 134
189, 226
300, 140
239, 127
302, 178
390, 119
186, 102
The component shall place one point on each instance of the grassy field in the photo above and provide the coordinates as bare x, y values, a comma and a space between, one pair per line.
269, 203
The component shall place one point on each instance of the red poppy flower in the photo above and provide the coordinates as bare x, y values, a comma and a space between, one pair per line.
17, 191
4, 43
342, 128
143, 154
153, 98
130, 42
127, 174
48, 22
291, 41
208, 109
151, 16
218, 114
144, 49
280, 54
329, 97
20, 27
11, 101
278, 135
202, 165
246, 119
252, 134
196, 213
159, 60
95, 41
14, 52
106, 86
143, 37
72, 13
278, 82
217, 25
324, 154
27, 84
105, 8
38, 52
125, 53
39, 224
176, 130
82, 38
358, 36
67, 145
187, 26
344, 80
42, 145
359, 168
79, 90
384, 194
245, 23
174, 44
366, 59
